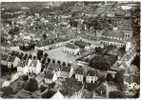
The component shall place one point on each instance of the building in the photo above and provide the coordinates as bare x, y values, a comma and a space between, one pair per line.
33, 66
114, 37
10, 61
48, 77
91, 76
79, 74
71, 49
64, 71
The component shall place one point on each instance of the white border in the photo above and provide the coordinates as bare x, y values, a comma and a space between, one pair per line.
90, 0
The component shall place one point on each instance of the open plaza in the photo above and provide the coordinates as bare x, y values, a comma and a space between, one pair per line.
70, 50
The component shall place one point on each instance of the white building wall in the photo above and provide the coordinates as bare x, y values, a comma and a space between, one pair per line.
90, 79
79, 77
48, 81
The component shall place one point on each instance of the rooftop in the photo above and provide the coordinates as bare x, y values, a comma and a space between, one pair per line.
81, 43
111, 40
70, 45
49, 75
79, 70
91, 73
11, 59
66, 68
113, 33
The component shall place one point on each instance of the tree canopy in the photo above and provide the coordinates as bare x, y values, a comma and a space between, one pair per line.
70, 86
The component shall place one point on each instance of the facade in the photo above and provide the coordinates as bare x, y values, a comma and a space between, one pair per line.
64, 71
71, 49
79, 74
48, 77
10, 61
91, 77
34, 66
114, 37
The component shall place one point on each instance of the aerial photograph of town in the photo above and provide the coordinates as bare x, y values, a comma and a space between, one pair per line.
70, 49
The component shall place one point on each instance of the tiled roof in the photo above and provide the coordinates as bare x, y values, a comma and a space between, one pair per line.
51, 66
11, 58
49, 75
66, 69
125, 25
80, 70
113, 33
91, 73
72, 46
4, 57
111, 40
81, 43
120, 12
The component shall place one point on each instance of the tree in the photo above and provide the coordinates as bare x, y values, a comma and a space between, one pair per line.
116, 94
70, 86
14, 31
90, 86
7, 91
31, 85
25, 77
121, 51
48, 94
100, 62
119, 79
45, 55
99, 50
44, 36
101, 89
109, 77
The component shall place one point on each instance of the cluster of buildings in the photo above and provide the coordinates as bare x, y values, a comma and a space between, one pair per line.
112, 28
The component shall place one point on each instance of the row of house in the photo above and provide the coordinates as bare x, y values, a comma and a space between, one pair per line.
56, 69
115, 37
90, 76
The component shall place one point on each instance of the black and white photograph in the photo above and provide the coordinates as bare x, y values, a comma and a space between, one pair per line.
70, 49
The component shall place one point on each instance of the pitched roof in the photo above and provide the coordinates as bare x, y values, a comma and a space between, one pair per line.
66, 69
4, 57
113, 33
72, 46
11, 58
79, 70
91, 73
49, 75
111, 40
119, 12
81, 43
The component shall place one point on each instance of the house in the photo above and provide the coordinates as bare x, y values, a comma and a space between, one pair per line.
4, 58
10, 61
33, 66
51, 65
71, 49
64, 71
91, 76
48, 77
113, 37
16, 62
79, 74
